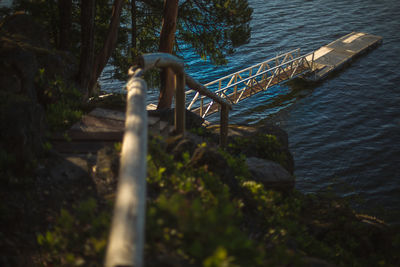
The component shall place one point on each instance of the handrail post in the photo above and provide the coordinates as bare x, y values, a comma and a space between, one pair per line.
312, 61
223, 135
126, 240
180, 109
201, 106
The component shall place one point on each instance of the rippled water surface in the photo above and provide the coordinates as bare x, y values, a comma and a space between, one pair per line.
344, 132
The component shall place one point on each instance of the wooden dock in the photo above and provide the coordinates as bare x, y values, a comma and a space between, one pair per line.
337, 54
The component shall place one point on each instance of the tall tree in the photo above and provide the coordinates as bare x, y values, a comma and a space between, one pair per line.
134, 27
88, 8
167, 38
108, 46
65, 23
213, 28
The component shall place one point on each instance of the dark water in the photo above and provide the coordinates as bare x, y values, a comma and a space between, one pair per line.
344, 133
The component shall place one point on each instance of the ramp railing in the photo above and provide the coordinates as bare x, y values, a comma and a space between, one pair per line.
244, 83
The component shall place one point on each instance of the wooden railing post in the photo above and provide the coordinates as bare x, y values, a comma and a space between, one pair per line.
223, 135
180, 101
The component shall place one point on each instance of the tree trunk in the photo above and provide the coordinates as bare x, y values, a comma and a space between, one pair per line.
87, 44
134, 28
167, 38
109, 44
65, 23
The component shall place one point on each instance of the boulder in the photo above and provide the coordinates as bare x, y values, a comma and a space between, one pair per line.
271, 174
22, 128
244, 130
18, 68
252, 141
24, 50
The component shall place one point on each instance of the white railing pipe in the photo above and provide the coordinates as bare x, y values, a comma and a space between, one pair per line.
126, 240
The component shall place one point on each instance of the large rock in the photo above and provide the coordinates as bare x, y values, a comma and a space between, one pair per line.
18, 68
22, 128
271, 174
267, 141
24, 50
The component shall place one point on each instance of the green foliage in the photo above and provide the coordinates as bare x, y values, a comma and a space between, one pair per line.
193, 219
238, 165
214, 28
6, 159
118, 146
44, 12
264, 146
79, 236
192, 216
63, 102
47, 146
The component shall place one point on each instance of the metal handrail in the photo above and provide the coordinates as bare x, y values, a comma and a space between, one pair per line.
263, 72
126, 241
248, 68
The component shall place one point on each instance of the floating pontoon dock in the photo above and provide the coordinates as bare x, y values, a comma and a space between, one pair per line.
313, 66
335, 55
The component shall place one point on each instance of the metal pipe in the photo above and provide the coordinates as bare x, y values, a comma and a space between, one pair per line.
246, 69
126, 241
180, 109
259, 74
193, 84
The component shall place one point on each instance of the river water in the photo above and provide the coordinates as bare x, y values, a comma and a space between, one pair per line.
344, 132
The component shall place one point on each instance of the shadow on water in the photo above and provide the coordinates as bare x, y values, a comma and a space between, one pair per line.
279, 100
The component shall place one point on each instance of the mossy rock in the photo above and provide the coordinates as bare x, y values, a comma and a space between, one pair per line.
267, 142
22, 128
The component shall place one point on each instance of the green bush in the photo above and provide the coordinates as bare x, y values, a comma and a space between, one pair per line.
63, 103
79, 236
194, 219
265, 146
